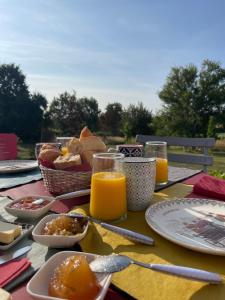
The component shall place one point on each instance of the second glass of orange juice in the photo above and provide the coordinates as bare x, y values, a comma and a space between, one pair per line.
158, 150
108, 187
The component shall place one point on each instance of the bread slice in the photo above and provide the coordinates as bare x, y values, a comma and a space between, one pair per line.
66, 161
8, 232
4, 295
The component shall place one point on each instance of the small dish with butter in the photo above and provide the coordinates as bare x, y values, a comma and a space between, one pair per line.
60, 231
30, 207
12, 232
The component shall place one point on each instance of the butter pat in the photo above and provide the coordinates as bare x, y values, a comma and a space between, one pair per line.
8, 232
4, 295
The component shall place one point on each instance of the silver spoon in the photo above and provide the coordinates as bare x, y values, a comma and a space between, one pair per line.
65, 196
132, 235
116, 263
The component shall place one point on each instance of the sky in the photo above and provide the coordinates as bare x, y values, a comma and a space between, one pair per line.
112, 50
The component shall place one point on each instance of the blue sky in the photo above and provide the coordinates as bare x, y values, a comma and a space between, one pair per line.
113, 50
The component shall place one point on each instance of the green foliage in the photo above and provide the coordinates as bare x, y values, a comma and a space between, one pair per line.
190, 97
137, 120
217, 173
69, 114
20, 112
211, 131
111, 119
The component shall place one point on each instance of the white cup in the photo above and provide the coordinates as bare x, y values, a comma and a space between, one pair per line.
140, 181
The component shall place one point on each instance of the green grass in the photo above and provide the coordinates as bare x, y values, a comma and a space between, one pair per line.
26, 151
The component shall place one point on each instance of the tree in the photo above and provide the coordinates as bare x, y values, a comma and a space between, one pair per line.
70, 115
111, 119
90, 112
211, 130
190, 97
65, 113
39, 104
20, 112
137, 120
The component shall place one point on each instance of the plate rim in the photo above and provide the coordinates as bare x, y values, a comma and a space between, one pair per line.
27, 168
172, 238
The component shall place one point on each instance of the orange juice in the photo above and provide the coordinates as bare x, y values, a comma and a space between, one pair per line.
108, 195
161, 170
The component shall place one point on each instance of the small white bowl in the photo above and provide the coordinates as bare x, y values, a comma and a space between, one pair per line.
37, 287
56, 241
30, 213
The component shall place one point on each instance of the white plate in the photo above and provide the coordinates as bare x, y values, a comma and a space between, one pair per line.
26, 229
37, 287
56, 241
197, 224
14, 166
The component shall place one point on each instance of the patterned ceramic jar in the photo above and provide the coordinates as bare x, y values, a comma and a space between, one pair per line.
129, 150
140, 181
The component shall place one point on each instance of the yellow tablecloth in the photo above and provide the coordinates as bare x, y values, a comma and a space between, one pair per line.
146, 284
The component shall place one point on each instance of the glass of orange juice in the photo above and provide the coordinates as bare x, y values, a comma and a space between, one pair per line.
158, 150
108, 187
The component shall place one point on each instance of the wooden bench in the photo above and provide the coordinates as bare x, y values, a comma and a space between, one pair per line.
204, 143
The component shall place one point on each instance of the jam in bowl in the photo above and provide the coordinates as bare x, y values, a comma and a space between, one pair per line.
30, 203
30, 207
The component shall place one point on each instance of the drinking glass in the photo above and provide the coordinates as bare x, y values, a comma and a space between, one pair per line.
108, 187
158, 150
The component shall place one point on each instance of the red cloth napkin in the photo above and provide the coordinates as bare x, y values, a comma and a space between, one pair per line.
210, 187
12, 269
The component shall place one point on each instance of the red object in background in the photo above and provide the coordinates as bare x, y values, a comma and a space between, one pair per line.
211, 187
12, 269
8, 146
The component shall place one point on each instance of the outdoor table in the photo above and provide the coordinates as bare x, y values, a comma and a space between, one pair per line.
161, 286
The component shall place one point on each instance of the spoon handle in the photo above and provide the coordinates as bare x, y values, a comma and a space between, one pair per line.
190, 273
73, 194
132, 235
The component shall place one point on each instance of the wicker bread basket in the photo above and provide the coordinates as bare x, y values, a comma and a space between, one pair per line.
61, 182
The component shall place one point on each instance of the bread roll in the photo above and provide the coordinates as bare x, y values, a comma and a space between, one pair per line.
85, 132
48, 146
66, 161
49, 154
88, 156
74, 146
92, 143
